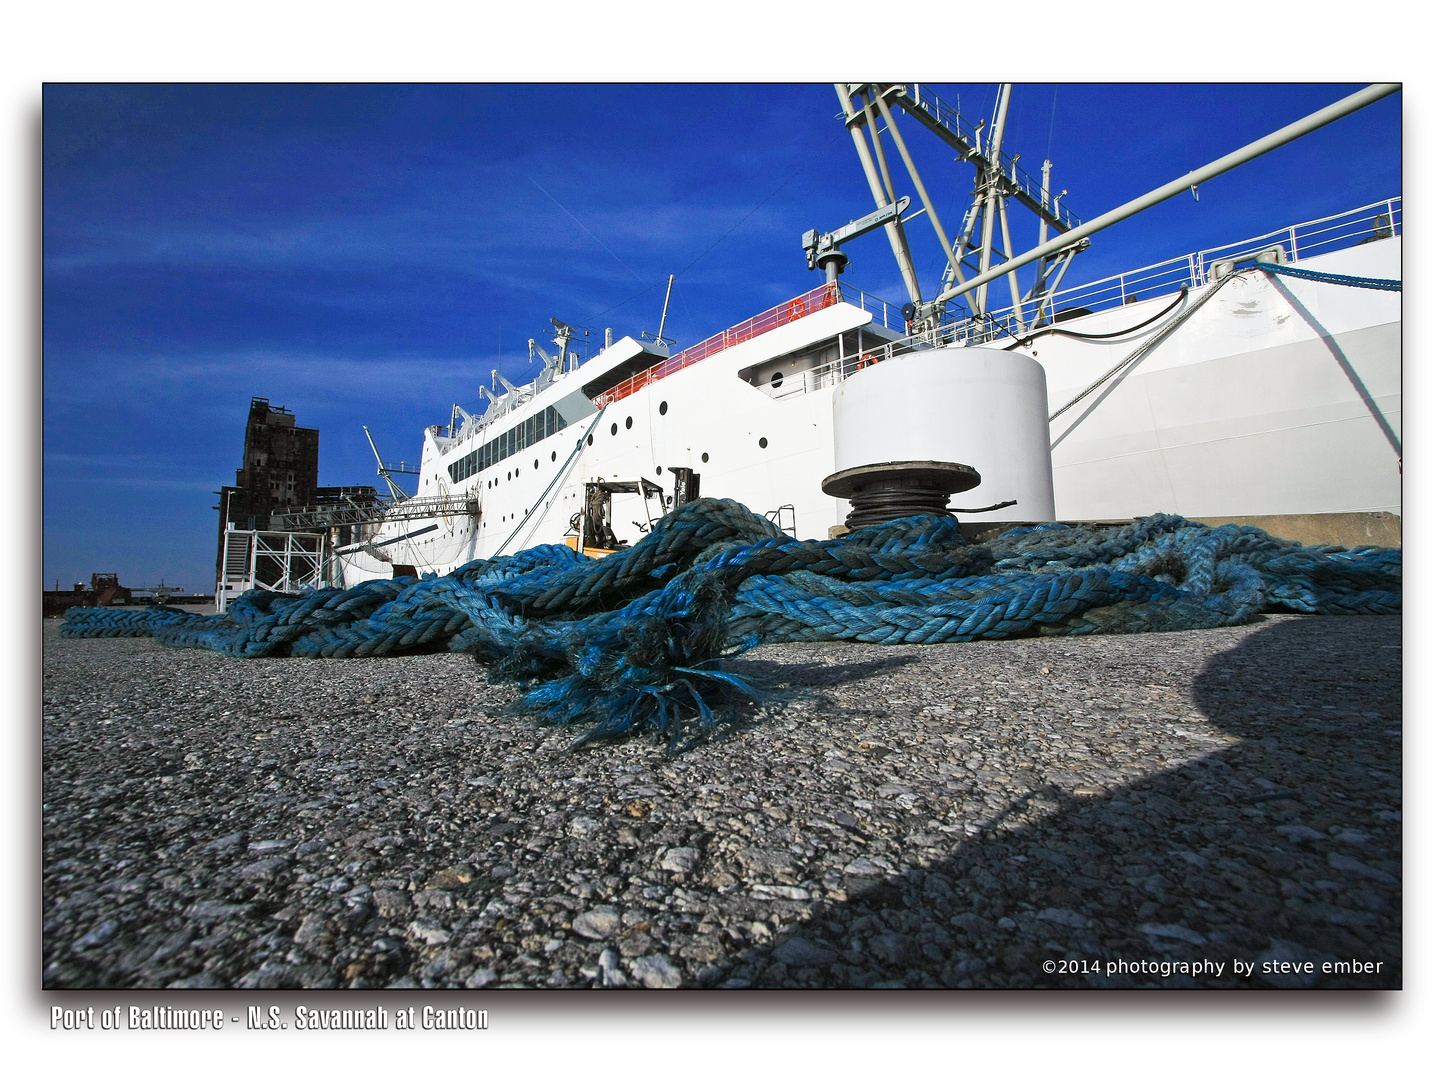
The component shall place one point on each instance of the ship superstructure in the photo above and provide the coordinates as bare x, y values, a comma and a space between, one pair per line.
1202, 385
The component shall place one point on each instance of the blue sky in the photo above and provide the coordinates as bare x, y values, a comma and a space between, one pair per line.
366, 254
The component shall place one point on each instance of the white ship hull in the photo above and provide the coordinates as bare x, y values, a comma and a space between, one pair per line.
1278, 397
1281, 396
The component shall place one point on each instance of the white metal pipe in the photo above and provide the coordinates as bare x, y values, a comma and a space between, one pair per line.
962, 242
879, 149
971, 217
920, 189
1048, 296
987, 237
867, 163
892, 229
1044, 224
1343, 107
1005, 246
997, 133
987, 233
660, 334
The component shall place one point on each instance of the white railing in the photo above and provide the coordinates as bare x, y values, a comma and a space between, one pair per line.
886, 314
929, 102
1372, 222
834, 372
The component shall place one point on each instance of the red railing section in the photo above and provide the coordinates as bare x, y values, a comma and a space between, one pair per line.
815, 300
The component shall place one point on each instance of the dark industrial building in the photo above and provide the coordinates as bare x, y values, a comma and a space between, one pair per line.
279, 470
280, 467
278, 474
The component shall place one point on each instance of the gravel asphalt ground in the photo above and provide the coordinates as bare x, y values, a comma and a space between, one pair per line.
1049, 812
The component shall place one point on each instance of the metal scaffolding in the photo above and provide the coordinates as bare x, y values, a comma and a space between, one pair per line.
286, 562
459, 504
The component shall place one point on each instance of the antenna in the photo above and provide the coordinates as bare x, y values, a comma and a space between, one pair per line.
660, 335
563, 333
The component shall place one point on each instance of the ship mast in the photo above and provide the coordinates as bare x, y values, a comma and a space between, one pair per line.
999, 185
1193, 179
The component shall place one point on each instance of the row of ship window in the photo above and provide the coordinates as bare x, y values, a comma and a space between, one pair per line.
540, 426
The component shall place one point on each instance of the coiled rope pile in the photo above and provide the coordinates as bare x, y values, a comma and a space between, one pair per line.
630, 642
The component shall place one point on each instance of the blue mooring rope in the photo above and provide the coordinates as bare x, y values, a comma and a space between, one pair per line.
630, 642
1388, 284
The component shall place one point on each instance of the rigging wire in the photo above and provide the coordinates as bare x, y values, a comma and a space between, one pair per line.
1050, 137
582, 225
580, 442
805, 165
1149, 343
688, 313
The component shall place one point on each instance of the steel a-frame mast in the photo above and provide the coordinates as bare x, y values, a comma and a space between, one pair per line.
999, 179
999, 182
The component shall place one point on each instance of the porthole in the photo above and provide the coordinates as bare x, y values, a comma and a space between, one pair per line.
507, 474
589, 440
704, 457
614, 429
552, 455
764, 442
664, 407
657, 470
537, 462
776, 380
629, 421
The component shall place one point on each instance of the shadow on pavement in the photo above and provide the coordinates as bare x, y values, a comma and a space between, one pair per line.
1281, 845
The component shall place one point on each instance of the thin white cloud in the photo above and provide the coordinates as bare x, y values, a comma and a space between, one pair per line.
481, 221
